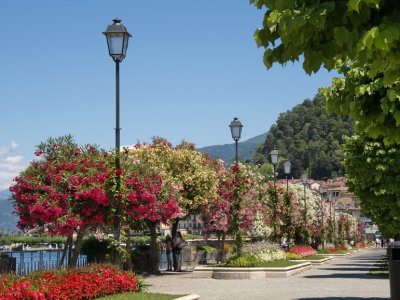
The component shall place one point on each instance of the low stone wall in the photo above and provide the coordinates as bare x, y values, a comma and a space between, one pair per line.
249, 273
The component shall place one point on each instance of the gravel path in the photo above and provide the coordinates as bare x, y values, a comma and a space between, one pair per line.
344, 278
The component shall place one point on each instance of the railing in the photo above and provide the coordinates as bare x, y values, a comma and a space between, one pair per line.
34, 260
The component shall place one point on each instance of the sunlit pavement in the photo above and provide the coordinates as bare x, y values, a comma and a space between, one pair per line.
344, 278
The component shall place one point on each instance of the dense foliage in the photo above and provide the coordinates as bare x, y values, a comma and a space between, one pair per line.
358, 38
310, 138
373, 173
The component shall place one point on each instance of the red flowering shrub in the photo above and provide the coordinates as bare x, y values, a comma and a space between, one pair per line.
343, 247
332, 249
360, 245
82, 283
303, 251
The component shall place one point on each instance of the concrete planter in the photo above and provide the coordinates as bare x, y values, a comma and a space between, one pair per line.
249, 273
314, 262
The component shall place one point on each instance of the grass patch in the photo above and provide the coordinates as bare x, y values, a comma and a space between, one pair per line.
269, 264
277, 264
380, 269
141, 296
338, 251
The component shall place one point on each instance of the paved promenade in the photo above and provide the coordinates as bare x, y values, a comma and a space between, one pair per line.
344, 278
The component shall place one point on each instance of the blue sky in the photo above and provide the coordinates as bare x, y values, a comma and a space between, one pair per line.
191, 67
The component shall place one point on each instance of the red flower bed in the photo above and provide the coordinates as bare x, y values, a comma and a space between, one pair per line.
343, 247
360, 245
303, 251
72, 284
332, 249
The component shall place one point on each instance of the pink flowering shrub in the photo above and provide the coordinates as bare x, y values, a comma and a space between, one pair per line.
303, 251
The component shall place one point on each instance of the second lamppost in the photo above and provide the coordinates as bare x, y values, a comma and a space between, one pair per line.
274, 160
117, 41
287, 165
236, 131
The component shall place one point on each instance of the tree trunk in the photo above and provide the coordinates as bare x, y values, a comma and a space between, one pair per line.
154, 249
78, 245
129, 250
173, 233
67, 247
223, 255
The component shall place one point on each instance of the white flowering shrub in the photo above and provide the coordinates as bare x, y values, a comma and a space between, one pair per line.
271, 255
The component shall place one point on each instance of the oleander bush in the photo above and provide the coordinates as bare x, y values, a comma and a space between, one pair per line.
81, 283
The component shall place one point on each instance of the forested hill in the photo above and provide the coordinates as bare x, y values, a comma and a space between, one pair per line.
227, 152
309, 138
7, 219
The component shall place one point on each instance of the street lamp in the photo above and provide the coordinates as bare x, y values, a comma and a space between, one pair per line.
287, 166
236, 131
117, 40
321, 192
274, 160
304, 178
332, 201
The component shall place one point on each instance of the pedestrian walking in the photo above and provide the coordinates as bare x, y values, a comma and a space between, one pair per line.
178, 246
168, 251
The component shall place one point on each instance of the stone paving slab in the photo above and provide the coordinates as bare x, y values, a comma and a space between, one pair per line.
345, 278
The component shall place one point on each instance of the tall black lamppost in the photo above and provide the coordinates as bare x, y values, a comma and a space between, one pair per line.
236, 131
287, 166
274, 160
117, 41
304, 178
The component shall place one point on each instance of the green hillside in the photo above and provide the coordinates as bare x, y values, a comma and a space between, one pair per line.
7, 219
310, 139
226, 152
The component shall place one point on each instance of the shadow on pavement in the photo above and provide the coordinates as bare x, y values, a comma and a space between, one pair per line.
363, 268
344, 298
345, 275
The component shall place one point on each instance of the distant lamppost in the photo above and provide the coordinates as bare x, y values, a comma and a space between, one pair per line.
117, 41
287, 166
321, 192
304, 178
274, 160
236, 131
331, 200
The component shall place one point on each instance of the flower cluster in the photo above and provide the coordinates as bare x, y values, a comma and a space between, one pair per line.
360, 245
77, 284
343, 247
271, 255
303, 251
332, 249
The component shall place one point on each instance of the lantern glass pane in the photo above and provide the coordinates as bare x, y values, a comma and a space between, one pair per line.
287, 166
304, 178
236, 132
115, 44
125, 46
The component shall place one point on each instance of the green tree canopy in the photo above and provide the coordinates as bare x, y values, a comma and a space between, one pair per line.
373, 174
359, 38
309, 138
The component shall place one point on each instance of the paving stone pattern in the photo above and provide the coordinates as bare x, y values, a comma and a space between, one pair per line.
344, 278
